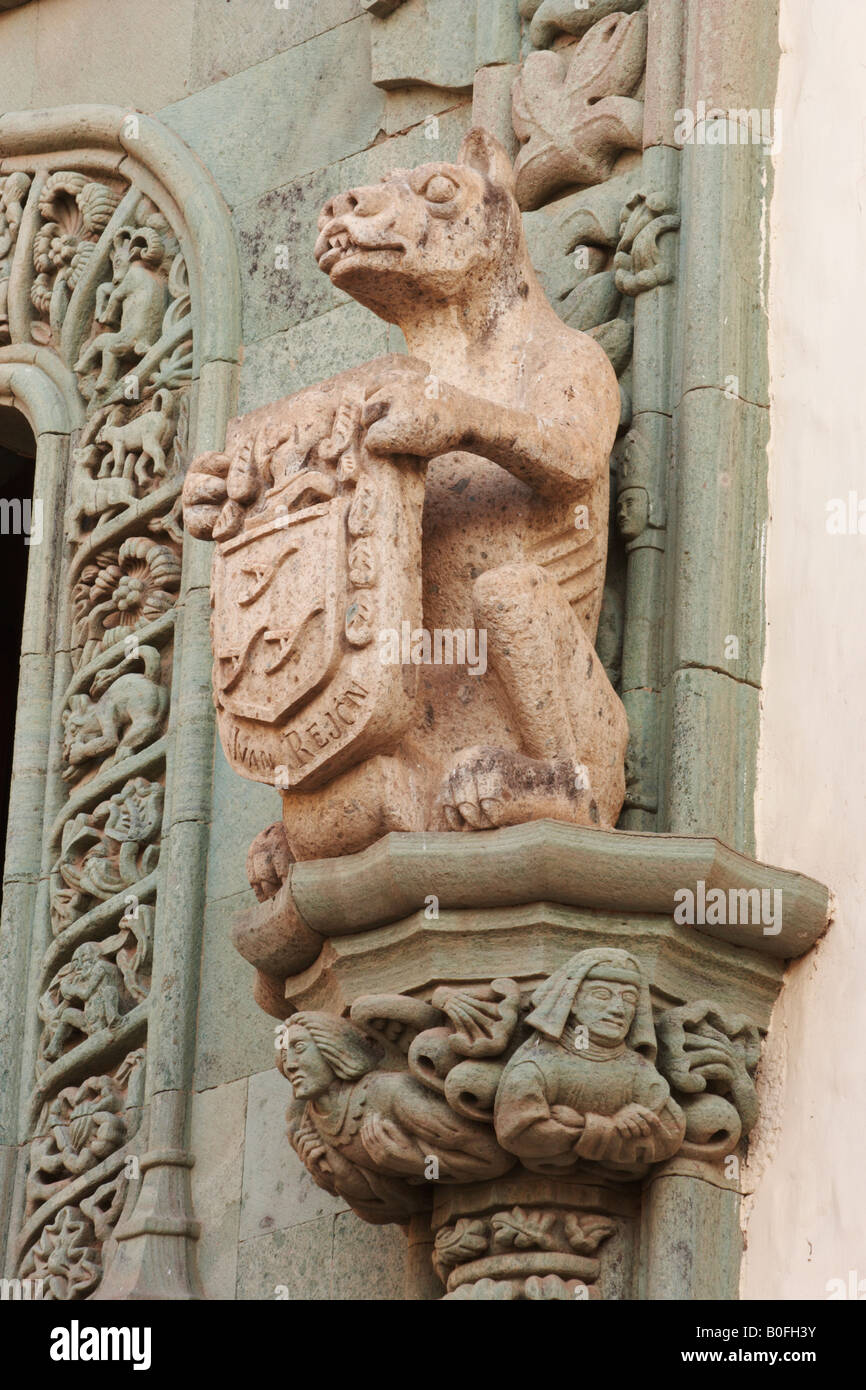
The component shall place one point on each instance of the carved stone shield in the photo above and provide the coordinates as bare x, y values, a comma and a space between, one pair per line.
318, 555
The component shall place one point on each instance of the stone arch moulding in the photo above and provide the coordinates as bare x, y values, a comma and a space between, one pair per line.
108, 227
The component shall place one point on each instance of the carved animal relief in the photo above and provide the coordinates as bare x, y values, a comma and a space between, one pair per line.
93, 278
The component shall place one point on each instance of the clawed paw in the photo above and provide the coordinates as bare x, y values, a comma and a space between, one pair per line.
490, 787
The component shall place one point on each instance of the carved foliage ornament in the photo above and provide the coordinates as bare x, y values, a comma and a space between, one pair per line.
107, 850
551, 19
522, 1253
83, 1126
574, 109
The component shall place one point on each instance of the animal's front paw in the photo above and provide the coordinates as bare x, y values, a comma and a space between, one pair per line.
268, 861
409, 411
488, 787
205, 491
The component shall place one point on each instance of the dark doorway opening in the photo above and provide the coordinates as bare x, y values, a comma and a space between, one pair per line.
17, 452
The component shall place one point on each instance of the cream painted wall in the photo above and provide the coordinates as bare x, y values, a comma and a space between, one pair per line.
806, 1219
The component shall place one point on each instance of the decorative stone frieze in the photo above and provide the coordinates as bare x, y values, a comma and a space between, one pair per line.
103, 343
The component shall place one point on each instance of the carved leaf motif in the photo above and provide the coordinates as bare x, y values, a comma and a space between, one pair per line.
394, 1018
639, 262
586, 1233
103, 1207
520, 1229
575, 253
484, 1018
553, 18
704, 1051
573, 112
455, 1245
75, 211
108, 849
83, 1127
65, 1257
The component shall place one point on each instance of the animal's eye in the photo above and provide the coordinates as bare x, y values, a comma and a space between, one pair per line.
440, 189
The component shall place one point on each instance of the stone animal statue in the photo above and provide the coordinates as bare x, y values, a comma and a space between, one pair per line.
123, 712
139, 441
505, 417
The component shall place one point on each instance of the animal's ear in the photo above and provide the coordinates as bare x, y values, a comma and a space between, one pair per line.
482, 151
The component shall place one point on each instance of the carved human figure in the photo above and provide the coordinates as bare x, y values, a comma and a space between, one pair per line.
512, 415
88, 987
632, 512
372, 1136
585, 1088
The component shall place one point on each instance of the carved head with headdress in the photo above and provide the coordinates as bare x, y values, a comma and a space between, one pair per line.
316, 1048
603, 989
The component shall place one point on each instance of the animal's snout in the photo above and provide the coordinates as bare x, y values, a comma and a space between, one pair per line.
365, 201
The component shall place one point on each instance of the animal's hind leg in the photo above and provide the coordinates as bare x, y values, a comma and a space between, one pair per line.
572, 724
358, 807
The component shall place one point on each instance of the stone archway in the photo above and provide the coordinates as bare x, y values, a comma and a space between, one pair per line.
109, 228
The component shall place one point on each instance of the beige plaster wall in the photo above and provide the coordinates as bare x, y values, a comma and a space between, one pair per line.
806, 1220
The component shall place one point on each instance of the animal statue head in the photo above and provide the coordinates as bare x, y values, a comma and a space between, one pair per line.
419, 236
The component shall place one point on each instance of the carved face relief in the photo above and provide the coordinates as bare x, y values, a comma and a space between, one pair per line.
606, 1009
304, 1065
632, 512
